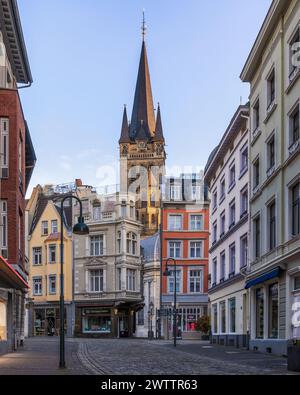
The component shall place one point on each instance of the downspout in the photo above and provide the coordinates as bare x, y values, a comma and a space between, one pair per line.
25, 86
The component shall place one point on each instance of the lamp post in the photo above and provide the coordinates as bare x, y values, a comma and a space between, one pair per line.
79, 229
150, 318
168, 273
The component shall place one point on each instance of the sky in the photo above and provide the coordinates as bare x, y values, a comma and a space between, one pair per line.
84, 58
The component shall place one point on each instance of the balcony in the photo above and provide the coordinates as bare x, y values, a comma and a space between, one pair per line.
271, 171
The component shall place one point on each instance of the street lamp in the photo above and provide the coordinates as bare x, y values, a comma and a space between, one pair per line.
150, 317
168, 273
79, 229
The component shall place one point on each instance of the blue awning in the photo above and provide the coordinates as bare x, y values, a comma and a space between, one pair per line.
265, 277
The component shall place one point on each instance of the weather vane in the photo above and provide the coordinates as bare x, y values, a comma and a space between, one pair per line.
144, 26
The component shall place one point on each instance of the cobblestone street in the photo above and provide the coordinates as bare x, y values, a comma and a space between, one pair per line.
134, 356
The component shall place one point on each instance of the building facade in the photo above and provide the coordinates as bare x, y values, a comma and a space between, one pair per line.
44, 264
107, 264
185, 236
227, 176
142, 151
273, 71
17, 160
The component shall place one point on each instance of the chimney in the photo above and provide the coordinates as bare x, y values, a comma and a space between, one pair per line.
78, 183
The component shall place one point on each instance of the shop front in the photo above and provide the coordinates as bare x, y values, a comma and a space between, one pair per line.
106, 321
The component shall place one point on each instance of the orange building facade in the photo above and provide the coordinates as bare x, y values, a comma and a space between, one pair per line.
185, 238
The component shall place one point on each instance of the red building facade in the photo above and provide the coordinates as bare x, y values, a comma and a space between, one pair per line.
185, 237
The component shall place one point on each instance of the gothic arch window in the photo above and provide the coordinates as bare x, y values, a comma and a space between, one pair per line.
96, 210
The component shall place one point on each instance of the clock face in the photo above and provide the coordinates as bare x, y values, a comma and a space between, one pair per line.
142, 145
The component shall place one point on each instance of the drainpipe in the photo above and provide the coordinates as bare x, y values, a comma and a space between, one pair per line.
25, 86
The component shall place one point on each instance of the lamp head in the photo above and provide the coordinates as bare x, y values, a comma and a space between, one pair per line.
167, 272
81, 228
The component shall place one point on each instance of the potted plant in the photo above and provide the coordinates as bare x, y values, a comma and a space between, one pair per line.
294, 356
203, 326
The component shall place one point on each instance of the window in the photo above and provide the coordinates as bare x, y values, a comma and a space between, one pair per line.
271, 89
215, 199
52, 253
96, 279
175, 222
171, 281
4, 147
244, 160
131, 243
222, 221
260, 311
131, 280
96, 245
273, 311
256, 174
256, 116
176, 192
37, 256
124, 209
232, 259
119, 279
294, 126
256, 233
45, 231
232, 315
222, 190
20, 149
215, 231
54, 226
272, 226
132, 209
297, 283
271, 153
140, 317
95, 323
196, 222
215, 318
232, 176
214, 271
244, 251
244, 201
222, 266
223, 317
37, 286
96, 211
196, 281
296, 210
52, 284
174, 249
3, 225
119, 240
196, 249
232, 214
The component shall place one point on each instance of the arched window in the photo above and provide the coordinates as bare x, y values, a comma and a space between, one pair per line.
96, 210
131, 243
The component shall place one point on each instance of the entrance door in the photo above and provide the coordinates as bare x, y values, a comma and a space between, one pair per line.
123, 326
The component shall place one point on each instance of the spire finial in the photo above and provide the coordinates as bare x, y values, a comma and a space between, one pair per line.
144, 26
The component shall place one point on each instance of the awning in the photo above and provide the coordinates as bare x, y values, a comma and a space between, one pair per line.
11, 276
264, 277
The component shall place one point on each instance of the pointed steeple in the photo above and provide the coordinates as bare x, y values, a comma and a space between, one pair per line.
159, 134
143, 110
125, 128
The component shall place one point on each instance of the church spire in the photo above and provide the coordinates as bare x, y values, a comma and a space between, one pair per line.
159, 134
125, 128
143, 117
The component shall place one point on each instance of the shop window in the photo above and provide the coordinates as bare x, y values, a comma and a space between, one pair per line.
260, 308
94, 323
215, 318
273, 311
3, 323
223, 317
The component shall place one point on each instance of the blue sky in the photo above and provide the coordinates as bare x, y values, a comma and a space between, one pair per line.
84, 58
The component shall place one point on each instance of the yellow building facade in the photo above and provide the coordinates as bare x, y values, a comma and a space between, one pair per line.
44, 267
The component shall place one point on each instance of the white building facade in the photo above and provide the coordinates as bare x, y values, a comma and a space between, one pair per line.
227, 176
273, 71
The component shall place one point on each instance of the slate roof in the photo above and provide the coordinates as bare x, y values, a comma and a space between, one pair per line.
151, 248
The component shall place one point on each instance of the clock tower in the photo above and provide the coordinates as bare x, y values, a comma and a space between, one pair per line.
142, 150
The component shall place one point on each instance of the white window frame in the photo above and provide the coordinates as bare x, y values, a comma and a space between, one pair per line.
175, 249
94, 241
176, 226
40, 287
92, 278
36, 254
54, 226
196, 279
171, 279
195, 248
44, 228
131, 280
198, 219
131, 243
4, 147
50, 248
50, 278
